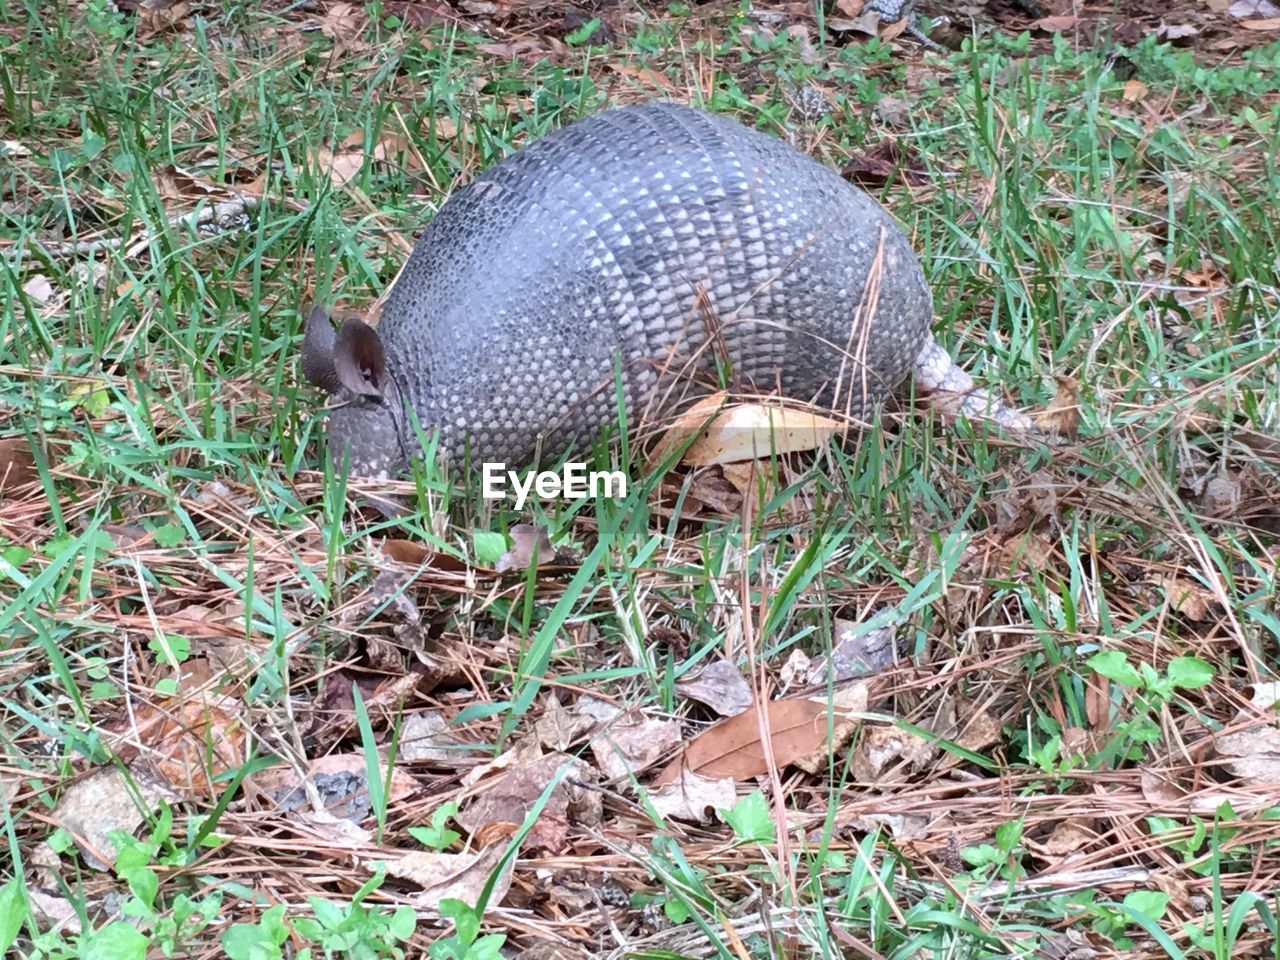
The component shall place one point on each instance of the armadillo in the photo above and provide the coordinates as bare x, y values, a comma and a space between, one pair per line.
644, 253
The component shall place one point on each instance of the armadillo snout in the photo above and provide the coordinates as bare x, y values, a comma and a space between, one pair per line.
369, 433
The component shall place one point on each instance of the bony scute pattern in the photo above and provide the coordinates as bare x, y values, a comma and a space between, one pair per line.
655, 234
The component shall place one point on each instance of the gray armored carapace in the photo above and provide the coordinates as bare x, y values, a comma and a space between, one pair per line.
655, 242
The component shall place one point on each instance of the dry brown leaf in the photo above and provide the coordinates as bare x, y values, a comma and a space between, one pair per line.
444, 126
686, 426
847, 701
1188, 597
732, 747
1029, 550
1253, 753
633, 743
1070, 836
412, 552
882, 748
457, 876
1054, 24
892, 30
1062, 416
520, 753
507, 798
526, 541
1159, 791
39, 289
694, 798
393, 146
558, 729
721, 686
17, 465
191, 738
176, 185
340, 167
797, 727
91, 807
1135, 90
1265, 26
426, 737
754, 431
343, 23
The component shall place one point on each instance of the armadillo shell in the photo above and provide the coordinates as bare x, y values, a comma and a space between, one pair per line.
656, 244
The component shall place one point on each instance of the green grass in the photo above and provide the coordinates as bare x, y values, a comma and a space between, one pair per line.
1074, 226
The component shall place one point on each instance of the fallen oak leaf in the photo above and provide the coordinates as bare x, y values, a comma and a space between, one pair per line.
882, 163
797, 728
1054, 24
694, 798
510, 795
455, 876
721, 686
190, 738
103, 801
633, 743
1188, 597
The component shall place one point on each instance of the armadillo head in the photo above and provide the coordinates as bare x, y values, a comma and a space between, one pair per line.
367, 419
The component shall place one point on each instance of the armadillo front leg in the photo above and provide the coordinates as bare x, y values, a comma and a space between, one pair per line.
949, 389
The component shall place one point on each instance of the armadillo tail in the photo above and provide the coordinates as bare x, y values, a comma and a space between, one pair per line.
952, 391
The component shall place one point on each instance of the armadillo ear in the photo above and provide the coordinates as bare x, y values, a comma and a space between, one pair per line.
317, 351
358, 358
